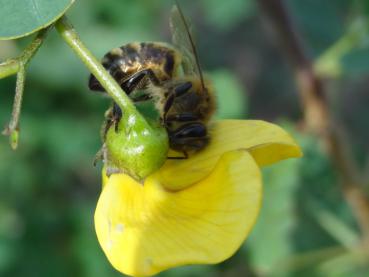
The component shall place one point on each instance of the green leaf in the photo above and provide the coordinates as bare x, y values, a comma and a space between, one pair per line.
19, 18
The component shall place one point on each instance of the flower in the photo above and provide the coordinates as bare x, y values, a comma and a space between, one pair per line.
193, 211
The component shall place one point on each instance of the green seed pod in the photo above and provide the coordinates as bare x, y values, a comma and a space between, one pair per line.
139, 147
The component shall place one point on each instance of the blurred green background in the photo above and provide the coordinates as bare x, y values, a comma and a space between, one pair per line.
49, 187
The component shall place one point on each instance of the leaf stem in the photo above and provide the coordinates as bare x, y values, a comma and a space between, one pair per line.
329, 64
71, 37
32, 49
12, 66
8, 68
18, 66
12, 130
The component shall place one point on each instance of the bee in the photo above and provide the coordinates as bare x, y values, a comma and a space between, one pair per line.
171, 76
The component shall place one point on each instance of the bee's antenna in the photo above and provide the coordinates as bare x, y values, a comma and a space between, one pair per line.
192, 44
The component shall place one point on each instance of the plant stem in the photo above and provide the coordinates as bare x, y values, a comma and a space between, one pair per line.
12, 130
12, 66
8, 68
106, 80
120, 149
318, 116
18, 66
32, 49
329, 64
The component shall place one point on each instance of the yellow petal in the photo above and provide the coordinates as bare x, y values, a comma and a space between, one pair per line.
146, 229
266, 142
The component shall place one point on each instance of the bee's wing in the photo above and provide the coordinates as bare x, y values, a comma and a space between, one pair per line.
183, 40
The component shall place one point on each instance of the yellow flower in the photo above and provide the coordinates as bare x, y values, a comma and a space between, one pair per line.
193, 211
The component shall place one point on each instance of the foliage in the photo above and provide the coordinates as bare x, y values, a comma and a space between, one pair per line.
49, 188
20, 18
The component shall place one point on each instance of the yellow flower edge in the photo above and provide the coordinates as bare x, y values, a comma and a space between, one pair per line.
145, 229
266, 142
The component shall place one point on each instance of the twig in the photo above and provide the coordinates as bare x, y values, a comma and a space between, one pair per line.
318, 116
8, 68
329, 64
18, 66
12, 66
12, 129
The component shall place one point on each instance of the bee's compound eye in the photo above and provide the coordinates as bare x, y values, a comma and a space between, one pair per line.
194, 130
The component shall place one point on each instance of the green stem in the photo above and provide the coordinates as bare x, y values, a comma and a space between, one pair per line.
12, 66
12, 130
71, 37
32, 49
9, 68
329, 64
21, 78
139, 154
18, 66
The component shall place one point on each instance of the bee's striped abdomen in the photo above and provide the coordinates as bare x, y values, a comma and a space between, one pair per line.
131, 58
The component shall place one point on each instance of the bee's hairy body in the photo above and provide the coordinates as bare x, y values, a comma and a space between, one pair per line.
187, 118
171, 77
124, 61
195, 100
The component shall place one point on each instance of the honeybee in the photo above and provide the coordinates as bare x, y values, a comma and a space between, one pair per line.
170, 76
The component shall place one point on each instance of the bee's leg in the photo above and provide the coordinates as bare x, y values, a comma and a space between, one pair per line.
116, 116
113, 116
142, 98
112, 69
178, 91
185, 156
191, 131
193, 135
106, 126
99, 156
182, 117
132, 83
94, 84
108, 122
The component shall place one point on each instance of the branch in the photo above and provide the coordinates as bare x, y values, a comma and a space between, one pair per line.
318, 116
